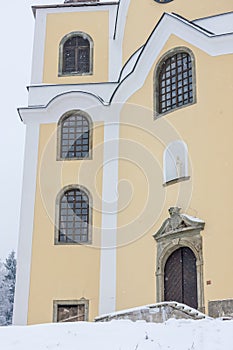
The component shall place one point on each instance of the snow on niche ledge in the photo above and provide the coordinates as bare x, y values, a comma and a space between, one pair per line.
158, 313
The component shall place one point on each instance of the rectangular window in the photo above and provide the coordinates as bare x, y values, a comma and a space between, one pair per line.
70, 310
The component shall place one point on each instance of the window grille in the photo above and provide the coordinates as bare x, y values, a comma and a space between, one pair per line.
74, 217
70, 313
175, 82
75, 137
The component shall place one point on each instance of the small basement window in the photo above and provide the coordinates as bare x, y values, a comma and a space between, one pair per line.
71, 311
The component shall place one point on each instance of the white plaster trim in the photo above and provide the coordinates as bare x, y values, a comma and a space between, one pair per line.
38, 49
128, 67
26, 226
64, 103
115, 50
170, 24
106, 7
34, 117
117, 36
41, 95
137, 68
219, 24
121, 21
115, 56
107, 293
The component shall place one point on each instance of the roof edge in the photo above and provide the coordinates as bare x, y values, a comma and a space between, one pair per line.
73, 4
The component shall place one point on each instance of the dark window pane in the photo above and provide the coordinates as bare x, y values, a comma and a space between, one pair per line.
70, 313
76, 55
179, 67
76, 137
73, 216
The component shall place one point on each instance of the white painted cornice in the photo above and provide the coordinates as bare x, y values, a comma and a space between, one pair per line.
218, 24
70, 6
73, 100
42, 95
170, 24
135, 72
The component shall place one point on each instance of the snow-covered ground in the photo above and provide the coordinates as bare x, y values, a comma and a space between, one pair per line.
121, 335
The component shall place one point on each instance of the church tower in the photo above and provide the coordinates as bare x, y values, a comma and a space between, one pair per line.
129, 116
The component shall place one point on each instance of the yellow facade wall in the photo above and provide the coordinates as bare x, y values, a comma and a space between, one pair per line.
141, 19
64, 272
95, 24
206, 127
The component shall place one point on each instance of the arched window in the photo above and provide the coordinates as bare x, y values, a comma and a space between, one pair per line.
174, 79
175, 162
74, 216
76, 54
74, 136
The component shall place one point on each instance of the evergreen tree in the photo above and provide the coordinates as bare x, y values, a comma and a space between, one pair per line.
7, 289
3, 293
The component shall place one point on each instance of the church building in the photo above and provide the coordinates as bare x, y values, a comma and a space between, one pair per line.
127, 187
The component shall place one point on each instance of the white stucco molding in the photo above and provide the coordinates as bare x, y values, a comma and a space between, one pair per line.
108, 270
51, 113
121, 20
38, 49
24, 251
169, 24
62, 104
42, 95
130, 64
134, 73
41, 13
218, 24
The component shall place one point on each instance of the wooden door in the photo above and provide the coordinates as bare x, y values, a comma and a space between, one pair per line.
180, 277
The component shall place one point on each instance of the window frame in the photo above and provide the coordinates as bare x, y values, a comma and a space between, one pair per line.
165, 56
81, 301
57, 215
59, 135
61, 45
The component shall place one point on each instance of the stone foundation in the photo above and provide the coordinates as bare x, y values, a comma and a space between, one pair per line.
221, 308
157, 313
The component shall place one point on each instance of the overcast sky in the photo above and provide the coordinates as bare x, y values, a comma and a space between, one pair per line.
17, 28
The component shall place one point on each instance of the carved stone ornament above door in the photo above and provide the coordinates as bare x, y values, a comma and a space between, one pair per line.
178, 225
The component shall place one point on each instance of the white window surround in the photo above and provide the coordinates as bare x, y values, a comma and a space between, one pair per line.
175, 162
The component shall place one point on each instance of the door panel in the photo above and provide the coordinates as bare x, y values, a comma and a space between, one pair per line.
180, 277
189, 278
